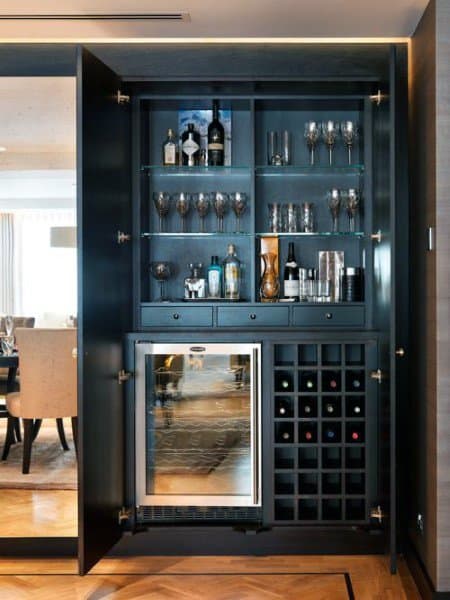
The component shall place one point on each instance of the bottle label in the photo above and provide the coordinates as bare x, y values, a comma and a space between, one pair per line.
215, 146
214, 284
292, 264
291, 288
170, 154
190, 147
231, 281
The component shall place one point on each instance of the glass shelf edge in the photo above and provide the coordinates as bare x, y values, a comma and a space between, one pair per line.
349, 234
147, 235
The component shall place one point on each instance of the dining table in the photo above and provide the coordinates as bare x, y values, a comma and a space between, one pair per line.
10, 362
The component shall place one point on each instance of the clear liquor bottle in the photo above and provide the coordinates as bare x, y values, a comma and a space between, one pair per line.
231, 274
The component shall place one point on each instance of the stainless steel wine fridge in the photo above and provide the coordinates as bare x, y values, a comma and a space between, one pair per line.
198, 427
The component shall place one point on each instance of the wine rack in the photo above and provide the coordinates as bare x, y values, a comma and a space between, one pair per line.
324, 432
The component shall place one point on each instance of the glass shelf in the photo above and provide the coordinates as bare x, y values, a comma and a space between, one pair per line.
178, 171
349, 234
225, 234
307, 170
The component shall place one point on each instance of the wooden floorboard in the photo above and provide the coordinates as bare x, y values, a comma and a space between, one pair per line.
209, 578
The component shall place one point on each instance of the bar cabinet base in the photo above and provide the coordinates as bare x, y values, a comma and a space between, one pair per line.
191, 541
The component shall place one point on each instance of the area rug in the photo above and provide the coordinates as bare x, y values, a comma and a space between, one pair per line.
51, 468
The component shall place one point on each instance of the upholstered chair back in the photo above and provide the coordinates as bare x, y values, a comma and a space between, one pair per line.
18, 322
48, 373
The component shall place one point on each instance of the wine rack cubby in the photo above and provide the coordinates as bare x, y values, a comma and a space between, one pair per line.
324, 432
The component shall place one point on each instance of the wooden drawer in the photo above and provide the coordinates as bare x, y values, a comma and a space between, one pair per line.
328, 316
253, 316
176, 316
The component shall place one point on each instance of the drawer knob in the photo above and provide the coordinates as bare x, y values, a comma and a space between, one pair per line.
328, 315
176, 316
252, 316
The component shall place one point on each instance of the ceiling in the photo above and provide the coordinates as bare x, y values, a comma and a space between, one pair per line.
229, 19
37, 123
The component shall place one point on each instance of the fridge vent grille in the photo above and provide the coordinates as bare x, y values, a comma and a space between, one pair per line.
197, 513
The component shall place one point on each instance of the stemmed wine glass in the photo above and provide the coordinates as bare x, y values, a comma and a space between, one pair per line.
349, 132
239, 205
161, 271
162, 205
353, 199
182, 204
334, 204
330, 131
220, 201
312, 135
202, 204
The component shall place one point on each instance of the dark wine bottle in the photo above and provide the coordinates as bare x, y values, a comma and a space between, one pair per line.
331, 381
190, 146
284, 433
308, 432
291, 278
283, 409
331, 433
283, 382
216, 139
308, 381
355, 433
329, 409
354, 381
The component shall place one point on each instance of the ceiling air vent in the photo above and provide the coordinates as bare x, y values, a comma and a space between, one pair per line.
172, 16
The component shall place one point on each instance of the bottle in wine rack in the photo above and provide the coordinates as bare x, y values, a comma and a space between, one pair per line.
308, 381
354, 381
291, 276
355, 433
284, 433
308, 433
283, 382
308, 407
331, 381
283, 408
216, 139
331, 433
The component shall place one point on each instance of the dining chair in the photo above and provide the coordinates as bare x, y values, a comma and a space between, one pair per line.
48, 386
17, 322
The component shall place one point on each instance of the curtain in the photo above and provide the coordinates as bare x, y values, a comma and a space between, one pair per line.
6, 263
45, 277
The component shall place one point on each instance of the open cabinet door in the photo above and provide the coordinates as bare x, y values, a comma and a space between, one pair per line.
390, 218
104, 302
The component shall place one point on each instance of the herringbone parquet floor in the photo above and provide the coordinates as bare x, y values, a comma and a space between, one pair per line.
209, 578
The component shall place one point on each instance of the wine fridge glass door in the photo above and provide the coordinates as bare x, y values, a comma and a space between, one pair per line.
198, 424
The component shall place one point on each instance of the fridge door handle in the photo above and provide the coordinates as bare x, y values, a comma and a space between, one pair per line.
255, 426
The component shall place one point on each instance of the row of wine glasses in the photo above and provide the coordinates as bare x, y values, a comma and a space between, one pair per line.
329, 132
202, 201
350, 199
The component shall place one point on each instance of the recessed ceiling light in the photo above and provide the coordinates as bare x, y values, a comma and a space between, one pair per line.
2, 149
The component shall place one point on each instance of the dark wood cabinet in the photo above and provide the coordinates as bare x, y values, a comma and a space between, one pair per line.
348, 485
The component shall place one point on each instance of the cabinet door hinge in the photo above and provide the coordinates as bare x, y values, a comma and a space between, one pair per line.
122, 98
124, 514
378, 375
376, 237
376, 514
123, 237
378, 97
123, 376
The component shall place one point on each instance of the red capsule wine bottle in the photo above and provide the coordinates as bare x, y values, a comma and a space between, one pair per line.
216, 139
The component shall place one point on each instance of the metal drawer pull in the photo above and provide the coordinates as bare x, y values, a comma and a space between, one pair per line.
176, 316
252, 316
328, 315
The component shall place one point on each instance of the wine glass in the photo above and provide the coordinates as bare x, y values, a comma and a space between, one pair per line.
330, 131
182, 204
349, 131
162, 205
9, 325
239, 205
161, 271
312, 135
353, 199
220, 201
202, 204
334, 204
